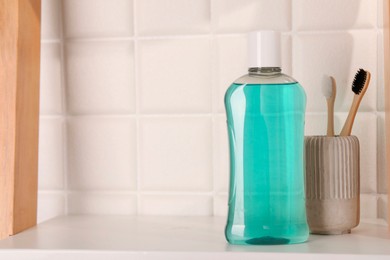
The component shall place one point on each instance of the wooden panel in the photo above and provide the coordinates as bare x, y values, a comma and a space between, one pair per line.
19, 113
386, 37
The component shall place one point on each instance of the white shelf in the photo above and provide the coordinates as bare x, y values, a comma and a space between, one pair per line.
132, 237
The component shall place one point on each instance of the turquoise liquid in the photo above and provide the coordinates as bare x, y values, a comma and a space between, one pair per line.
266, 138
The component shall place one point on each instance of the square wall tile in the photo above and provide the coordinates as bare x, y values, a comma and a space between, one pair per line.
51, 19
334, 14
50, 205
316, 124
221, 205
250, 15
101, 153
175, 76
98, 18
157, 17
365, 129
101, 203
221, 155
51, 154
100, 77
50, 79
339, 55
368, 206
176, 205
232, 65
381, 156
175, 154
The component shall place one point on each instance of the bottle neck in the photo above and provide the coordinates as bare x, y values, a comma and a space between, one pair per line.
265, 71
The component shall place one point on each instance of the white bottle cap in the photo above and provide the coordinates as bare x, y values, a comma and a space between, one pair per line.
264, 49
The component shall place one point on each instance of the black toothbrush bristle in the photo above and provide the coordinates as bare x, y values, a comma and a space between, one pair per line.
359, 81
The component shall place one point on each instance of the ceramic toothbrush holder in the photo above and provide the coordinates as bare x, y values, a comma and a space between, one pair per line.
332, 184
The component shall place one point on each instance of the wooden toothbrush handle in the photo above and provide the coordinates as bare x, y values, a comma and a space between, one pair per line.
330, 129
347, 129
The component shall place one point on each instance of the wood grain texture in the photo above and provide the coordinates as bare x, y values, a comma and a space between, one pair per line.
19, 113
386, 37
330, 101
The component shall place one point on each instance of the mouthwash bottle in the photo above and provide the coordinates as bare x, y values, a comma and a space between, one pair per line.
265, 117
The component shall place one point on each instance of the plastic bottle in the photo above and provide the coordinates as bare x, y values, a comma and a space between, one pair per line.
265, 117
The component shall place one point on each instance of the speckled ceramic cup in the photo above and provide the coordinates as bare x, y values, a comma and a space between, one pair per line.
332, 184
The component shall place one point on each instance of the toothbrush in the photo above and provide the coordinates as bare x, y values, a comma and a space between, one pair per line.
359, 87
329, 92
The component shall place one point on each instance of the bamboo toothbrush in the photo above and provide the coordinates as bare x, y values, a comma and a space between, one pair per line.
359, 87
329, 91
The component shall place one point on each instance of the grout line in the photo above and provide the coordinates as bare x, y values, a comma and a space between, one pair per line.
135, 192
333, 31
379, 8
139, 115
134, 38
378, 114
137, 108
293, 35
106, 192
213, 89
343, 112
201, 193
50, 192
64, 111
214, 104
54, 40
372, 194
378, 31
292, 15
51, 116
197, 36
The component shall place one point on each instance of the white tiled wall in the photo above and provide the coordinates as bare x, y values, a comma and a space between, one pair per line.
132, 117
